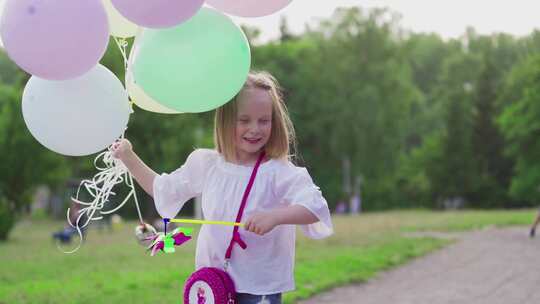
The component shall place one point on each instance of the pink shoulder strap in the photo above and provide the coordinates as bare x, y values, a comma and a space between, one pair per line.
236, 235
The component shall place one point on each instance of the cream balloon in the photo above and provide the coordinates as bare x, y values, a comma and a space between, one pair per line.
120, 27
142, 100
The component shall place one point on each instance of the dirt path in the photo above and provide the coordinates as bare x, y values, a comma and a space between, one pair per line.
493, 266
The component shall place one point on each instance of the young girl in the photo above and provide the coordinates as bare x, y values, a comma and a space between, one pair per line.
282, 196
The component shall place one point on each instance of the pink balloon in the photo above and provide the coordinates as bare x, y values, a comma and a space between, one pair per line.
158, 13
249, 8
55, 39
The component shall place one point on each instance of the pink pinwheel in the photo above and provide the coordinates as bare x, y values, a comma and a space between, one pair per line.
179, 235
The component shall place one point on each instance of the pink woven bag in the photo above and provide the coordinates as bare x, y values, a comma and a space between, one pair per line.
211, 285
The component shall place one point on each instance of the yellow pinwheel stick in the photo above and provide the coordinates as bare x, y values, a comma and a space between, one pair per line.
186, 221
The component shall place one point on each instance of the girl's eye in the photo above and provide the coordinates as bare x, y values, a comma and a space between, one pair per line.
243, 120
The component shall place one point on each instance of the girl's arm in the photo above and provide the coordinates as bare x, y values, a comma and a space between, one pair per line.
143, 174
294, 215
263, 222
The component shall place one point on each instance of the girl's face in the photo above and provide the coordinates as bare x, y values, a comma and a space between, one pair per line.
253, 123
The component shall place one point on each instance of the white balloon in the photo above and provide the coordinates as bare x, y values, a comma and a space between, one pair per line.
119, 26
79, 116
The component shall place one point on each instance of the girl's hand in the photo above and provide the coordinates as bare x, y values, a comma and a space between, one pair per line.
122, 149
261, 223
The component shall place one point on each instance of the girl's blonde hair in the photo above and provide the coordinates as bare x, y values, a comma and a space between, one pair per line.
282, 138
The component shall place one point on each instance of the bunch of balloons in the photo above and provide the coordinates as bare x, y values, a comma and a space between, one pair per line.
186, 58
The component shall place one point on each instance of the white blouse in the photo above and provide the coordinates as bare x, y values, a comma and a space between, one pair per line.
266, 266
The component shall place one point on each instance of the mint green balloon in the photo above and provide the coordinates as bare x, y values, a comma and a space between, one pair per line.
194, 67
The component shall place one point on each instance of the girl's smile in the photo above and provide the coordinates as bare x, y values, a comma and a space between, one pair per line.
252, 140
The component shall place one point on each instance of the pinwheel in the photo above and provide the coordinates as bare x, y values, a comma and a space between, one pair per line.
166, 241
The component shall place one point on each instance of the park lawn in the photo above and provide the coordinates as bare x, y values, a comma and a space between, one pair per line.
112, 268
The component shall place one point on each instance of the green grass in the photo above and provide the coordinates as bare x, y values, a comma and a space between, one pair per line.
112, 268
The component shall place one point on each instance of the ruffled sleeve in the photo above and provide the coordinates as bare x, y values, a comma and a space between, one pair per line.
298, 189
173, 190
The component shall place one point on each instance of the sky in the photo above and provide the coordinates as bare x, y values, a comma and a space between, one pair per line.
448, 18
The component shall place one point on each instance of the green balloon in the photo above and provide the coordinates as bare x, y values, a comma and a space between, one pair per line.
194, 67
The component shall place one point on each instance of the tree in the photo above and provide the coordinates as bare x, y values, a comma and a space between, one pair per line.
453, 175
252, 34
284, 31
349, 91
520, 123
25, 163
493, 168
426, 54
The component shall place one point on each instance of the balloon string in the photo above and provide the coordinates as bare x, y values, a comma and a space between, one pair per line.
132, 185
122, 46
111, 173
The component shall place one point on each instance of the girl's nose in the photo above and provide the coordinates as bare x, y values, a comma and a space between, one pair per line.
252, 132
253, 128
